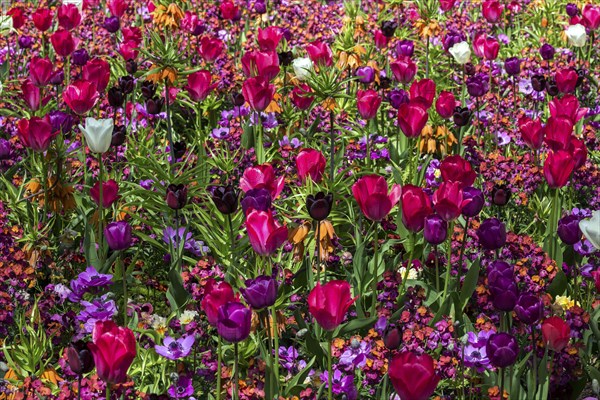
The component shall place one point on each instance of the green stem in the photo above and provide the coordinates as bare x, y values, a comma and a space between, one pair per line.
462, 248
124, 272
100, 208
219, 345
236, 374
329, 373
276, 348
107, 391
375, 268
260, 148
317, 244
554, 220
79, 387
408, 264
332, 149
533, 351
449, 267
169, 127
437, 269
501, 383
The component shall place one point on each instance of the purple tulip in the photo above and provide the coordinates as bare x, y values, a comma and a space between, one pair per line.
502, 349
568, 229
529, 308
452, 37
491, 234
572, 10
473, 208
112, 24
260, 292
512, 66
118, 235
435, 229
175, 349
80, 358
258, 199
25, 42
397, 97
5, 149
61, 121
547, 52
365, 74
176, 196
478, 85
234, 321
80, 57
405, 48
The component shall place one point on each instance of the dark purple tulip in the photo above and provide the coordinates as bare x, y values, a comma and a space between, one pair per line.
512, 66
258, 199
176, 196
502, 349
500, 270
365, 74
112, 24
501, 195
502, 286
477, 85
154, 105
5, 149
547, 52
435, 230
148, 89
388, 28
226, 199
473, 208
568, 229
80, 358
126, 84
491, 234
392, 337
529, 308
405, 48
319, 205
238, 99
384, 82
80, 57
285, 58
260, 292
118, 135
552, 88
452, 37
61, 121
118, 235
25, 42
115, 97
470, 69
538, 83
58, 77
461, 116
397, 97
260, 7
131, 66
234, 321
572, 10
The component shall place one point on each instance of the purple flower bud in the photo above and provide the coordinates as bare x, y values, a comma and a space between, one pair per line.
226, 199
365, 74
502, 349
118, 235
461, 116
80, 358
491, 234
501, 195
477, 85
60, 121
568, 229
512, 66
397, 97
258, 199
319, 205
502, 286
405, 48
260, 7
25, 42
529, 308
112, 24
260, 292
547, 51
435, 229
234, 321
58, 77
572, 10
538, 83
473, 208
176, 196
5, 149
80, 57
392, 337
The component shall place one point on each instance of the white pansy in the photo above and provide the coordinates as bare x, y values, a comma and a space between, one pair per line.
98, 133
302, 68
412, 274
591, 229
577, 35
187, 316
461, 52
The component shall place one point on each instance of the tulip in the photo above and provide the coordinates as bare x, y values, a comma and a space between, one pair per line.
572, 10
320, 53
31, 95
371, 194
397, 97
115, 97
568, 229
36, 133
558, 168
329, 303
68, 16
118, 235
80, 57
365, 75
260, 292
404, 70
268, 39
97, 71
79, 358
18, 17
567, 106
591, 16
61, 121
98, 133
257, 199
461, 116
435, 229
447, 5
457, 169
42, 19
154, 105
502, 349
176, 196
234, 322
381, 41
415, 207
300, 97
502, 286
388, 28
422, 92
531, 132
126, 84
405, 48
412, 118
529, 308
258, 92
265, 234
319, 206
591, 229
110, 192
257, 63
25, 42
40, 70
492, 11
310, 163
413, 376
262, 177
199, 85
461, 52
491, 234
80, 96
210, 48
538, 83
596, 278
512, 66
566, 80
501, 195
547, 52
216, 294
148, 89
392, 337
368, 102
478, 85
472, 208
114, 349
448, 200
558, 132
63, 42
576, 35
5, 149
117, 8
302, 68
118, 136
556, 333
229, 11
225, 199
445, 104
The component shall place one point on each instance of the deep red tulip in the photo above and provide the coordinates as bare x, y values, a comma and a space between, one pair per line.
413, 376
557, 133
268, 39
42, 19
132, 34
567, 106
556, 333
578, 151
591, 16
68, 16
63, 42
381, 41
40, 70
80, 96
368, 102
457, 169
117, 8
558, 168
110, 192
229, 11
329, 303
97, 71
491, 48
566, 80
446, 5
262, 177
199, 85
265, 234
310, 162
210, 48
18, 17
415, 207
258, 63
258, 92
532, 132
215, 295
412, 118
423, 92
404, 70
596, 277
445, 104
36, 133
31, 95
371, 194
492, 11
320, 53
300, 96
114, 349
448, 200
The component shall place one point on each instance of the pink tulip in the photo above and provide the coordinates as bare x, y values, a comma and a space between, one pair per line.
558, 168
210, 48
258, 92
491, 48
257, 63
591, 16
404, 69
310, 163
557, 133
415, 207
566, 80
567, 106
36, 133
42, 19
40, 70
448, 200
63, 42
31, 95
492, 11
412, 118
117, 8
368, 102
199, 85
532, 132
80, 96
264, 233
445, 104
300, 96
68, 16
423, 92
578, 151
110, 192
371, 194
268, 39
97, 71
320, 53
381, 41
114, 349
262, 177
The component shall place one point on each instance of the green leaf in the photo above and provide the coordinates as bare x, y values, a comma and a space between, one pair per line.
469, 284
559, 283
296, 384
355, 325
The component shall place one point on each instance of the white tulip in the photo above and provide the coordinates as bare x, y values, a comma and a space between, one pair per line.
77, 3
98, 133
302, 68
591, 229
576, 35
461, 52
6, 24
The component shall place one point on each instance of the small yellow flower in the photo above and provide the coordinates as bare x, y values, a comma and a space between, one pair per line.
565, 302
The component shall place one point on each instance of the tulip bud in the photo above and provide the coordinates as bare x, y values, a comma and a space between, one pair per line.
115, 97
118, 135
319, 206
131, 66
538, 82
392, 337
435, 230
126, 84
118, 235
568, 229
473, 208
154, 105
176, 196
260, 292
547, 52
500, 195
225, 199
79, 358
285, 58
148, 89
492, 234
80, 57
461, 116
512, 66
388, 28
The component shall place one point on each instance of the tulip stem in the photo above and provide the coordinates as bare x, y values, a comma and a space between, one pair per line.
258, 144
169, 127
236, 383
332, 149
449, 267
219, 345
533, 352
318, 246
100, 208
437, 269
375, 269
107, 391
501, 383
79, 387
329, 373
124, 277
462, 248
276, 345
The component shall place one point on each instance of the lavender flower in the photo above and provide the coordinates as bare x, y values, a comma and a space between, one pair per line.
175, 349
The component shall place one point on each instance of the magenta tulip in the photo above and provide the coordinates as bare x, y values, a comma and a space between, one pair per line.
265, 234
371, 194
